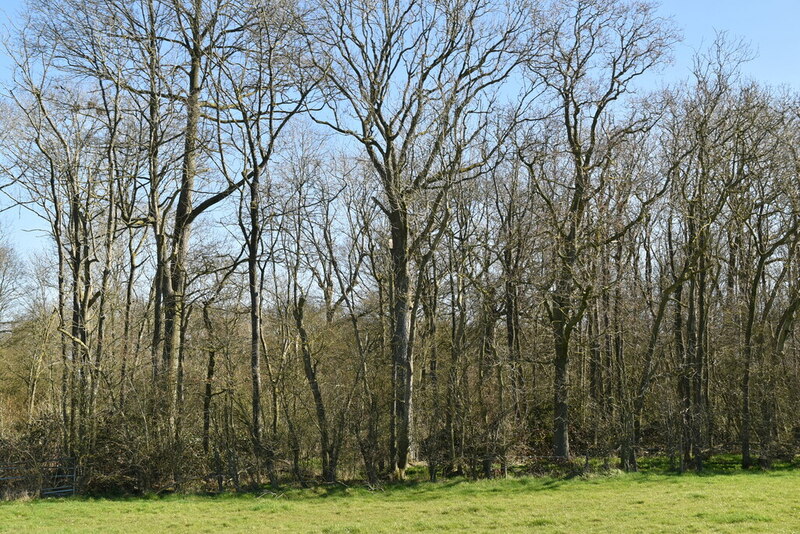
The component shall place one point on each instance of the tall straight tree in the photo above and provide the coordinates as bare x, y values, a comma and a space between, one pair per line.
266, 90
412, 82
593, 51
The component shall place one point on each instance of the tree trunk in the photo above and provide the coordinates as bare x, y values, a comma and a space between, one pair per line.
403, 366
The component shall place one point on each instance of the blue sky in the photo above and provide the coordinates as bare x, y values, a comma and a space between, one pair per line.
769, 25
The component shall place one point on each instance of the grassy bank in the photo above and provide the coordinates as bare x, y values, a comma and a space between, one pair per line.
736, 502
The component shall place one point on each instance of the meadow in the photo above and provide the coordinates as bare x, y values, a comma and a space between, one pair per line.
615, 502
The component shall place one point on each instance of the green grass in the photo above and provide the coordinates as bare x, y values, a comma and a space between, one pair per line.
735, 502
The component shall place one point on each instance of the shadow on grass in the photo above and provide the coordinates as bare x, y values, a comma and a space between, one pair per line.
717, 465
652, 469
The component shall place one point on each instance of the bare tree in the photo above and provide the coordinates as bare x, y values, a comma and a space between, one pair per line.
10, 280
411, 81
594, 50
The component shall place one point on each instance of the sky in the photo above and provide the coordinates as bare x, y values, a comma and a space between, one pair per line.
769, 26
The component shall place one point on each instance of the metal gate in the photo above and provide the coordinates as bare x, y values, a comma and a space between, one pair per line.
54, 477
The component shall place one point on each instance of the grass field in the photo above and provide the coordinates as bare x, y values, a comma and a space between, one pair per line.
735, 502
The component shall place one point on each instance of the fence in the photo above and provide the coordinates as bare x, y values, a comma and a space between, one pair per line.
55, 477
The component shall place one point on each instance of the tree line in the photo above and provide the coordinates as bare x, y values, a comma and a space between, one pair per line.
328, 239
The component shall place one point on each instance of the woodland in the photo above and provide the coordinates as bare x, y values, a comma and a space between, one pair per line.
331, 240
